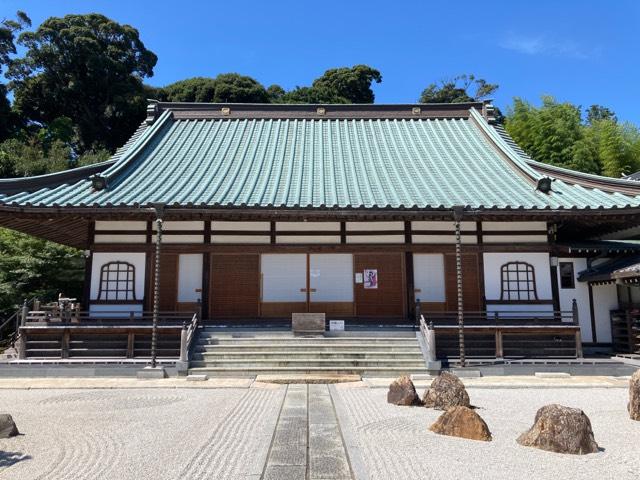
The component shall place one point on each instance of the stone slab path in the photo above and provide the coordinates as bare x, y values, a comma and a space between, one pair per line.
307, 443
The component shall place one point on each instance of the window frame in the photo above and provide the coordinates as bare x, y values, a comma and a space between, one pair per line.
507, 294
105, 282
572, 285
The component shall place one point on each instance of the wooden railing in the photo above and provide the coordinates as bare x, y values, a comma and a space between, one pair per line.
111, 318
625, 331
505, 333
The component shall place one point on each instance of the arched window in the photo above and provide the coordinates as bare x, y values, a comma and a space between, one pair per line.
518, 282
117, 282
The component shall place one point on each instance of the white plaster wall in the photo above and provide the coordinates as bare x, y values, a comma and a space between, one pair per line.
308, 226
178, 225
426, 225
605, 299
302, 239
102, 238
364, 226
521, 310
189, 277
492, 275
515, 239
241, 239
375, 238
428, 277
512, 226
119, 225
168, 238
100, 258
446, 239
580, 293
241, 226
115, 311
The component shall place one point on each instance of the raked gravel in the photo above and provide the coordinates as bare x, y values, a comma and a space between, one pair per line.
139, 433
393, 442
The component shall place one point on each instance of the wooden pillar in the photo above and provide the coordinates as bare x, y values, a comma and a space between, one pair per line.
64, 344
131, 342
578, 344
592, 313
499, 349
88, 265
206, 274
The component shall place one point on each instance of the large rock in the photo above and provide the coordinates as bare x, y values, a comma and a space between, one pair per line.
403, 392
462, 422
562, 430
446, 391
7, 426
634, 396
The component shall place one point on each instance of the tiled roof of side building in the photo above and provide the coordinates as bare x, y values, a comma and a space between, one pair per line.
326, 156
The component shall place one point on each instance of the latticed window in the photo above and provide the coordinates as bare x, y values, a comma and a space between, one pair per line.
117, 282
518, 281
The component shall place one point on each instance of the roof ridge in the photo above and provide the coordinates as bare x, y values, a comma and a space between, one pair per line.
588, 180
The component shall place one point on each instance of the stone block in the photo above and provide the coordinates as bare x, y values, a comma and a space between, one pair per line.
197, 378
151, 373
308, 323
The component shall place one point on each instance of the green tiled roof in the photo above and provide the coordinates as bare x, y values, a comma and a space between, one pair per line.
347, 163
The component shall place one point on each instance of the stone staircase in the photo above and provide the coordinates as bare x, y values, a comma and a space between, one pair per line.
220, 353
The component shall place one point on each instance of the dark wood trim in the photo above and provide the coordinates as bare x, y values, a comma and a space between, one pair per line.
594, 334
410, 283
407, 232
148, 280
329, 247
479, 232
149, 232
519, 302
88, 267
272, 232
207, 231
206, 287
555, 292
343, 232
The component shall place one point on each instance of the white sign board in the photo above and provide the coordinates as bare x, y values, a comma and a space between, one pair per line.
336, 325
359, 277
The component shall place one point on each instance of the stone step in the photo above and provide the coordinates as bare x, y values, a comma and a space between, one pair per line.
252, 372
305, 340
290, 362
276, 353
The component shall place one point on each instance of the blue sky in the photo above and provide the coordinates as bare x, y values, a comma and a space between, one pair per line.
584, 52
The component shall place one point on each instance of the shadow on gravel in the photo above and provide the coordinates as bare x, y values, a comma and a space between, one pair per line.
8, 459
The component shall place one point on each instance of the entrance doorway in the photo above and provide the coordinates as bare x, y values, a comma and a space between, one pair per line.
302, 282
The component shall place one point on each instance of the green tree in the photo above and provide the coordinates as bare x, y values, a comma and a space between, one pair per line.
9, 121
319, 94
458, 90
598, 112
88, 68
225, 88
555, 133
350, 83
33, 267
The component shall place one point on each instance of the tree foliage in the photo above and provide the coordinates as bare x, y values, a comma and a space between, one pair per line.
33, 267
460, 89
350, 83
9, 120
88, 68
225, 88
556, 133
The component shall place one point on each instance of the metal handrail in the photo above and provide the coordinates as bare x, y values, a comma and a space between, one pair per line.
186, 337
429, 338
15, 318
